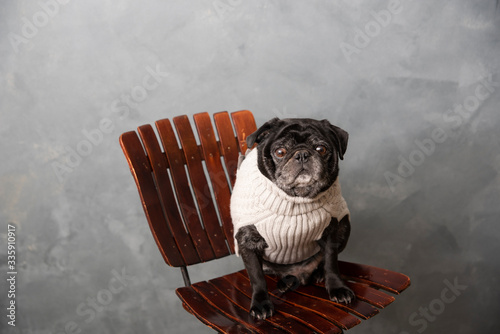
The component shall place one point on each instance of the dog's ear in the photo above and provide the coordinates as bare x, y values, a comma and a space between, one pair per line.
339, 136
261, 133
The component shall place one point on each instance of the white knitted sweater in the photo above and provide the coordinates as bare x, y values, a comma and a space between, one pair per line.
290, 225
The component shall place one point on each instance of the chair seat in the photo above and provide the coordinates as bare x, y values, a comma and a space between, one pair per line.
223, 303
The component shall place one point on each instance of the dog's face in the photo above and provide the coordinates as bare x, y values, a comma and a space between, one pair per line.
299, 155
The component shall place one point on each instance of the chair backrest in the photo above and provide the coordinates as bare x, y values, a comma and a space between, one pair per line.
187, 212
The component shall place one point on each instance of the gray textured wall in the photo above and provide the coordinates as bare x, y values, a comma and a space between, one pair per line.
415, 83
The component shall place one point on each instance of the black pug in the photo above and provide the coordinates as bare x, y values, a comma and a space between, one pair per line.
289, 216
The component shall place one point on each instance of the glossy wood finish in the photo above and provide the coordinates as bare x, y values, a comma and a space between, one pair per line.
142, 172
244, 124
185, 201
218, 177
228, 144
199, 184
185, 188
159, 165
306, 309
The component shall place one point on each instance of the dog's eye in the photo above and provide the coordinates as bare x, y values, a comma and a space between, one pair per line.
280, 152
321, 149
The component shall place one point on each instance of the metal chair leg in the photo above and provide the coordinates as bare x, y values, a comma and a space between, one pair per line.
185, 276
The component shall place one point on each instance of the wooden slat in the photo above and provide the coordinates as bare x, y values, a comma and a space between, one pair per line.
279, 319
311, 319
200, 186
381, 278
228, 143
370, 295
244, 124
317, 302
325, 308
358, 307
164, 188
366, 296
215, 298
186, 202
216, 172
142, 173
197, 305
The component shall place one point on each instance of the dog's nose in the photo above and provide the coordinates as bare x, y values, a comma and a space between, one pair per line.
301, 156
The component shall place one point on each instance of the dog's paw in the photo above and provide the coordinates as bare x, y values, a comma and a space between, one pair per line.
341, 295
261, 308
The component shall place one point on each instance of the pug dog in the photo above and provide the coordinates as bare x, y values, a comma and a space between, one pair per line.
289, 216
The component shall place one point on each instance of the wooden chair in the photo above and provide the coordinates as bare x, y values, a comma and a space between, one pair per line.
189, 217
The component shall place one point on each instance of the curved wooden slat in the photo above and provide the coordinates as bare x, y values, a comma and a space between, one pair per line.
381, 278
142, 173
279, 319
244, 124
200, 186
311, 319
360, 307
228, 143
164, 188
216, 172
371, 295
323, 307
232, 311
197, 306
175, 160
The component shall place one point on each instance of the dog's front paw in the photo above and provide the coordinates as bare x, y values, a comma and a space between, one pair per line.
339, 292
342, 295
261, 307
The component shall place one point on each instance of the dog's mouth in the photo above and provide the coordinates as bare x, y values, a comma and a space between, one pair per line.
302, 185
303, 179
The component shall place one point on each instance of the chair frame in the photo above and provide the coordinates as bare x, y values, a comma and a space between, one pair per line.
185, 191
